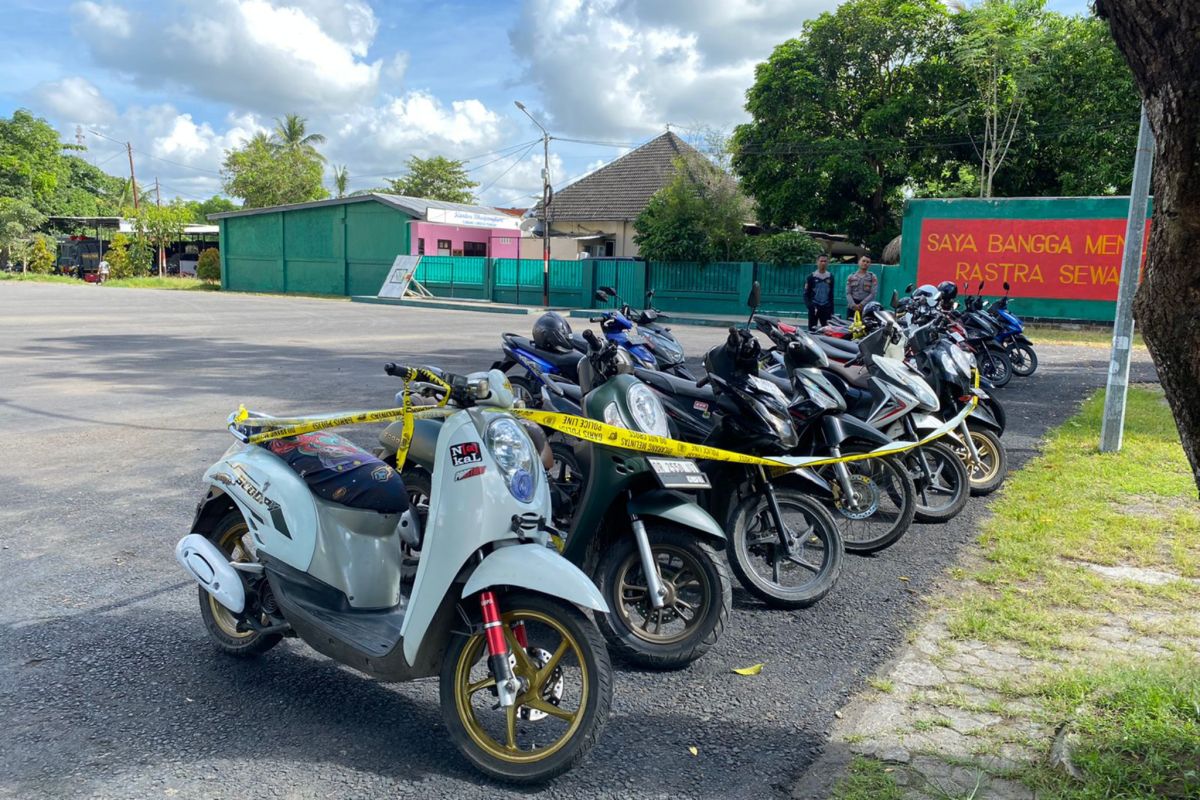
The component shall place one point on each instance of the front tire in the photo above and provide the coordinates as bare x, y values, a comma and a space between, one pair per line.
884, 492
1023, 359
699, 598
944, 492
526, 390
995, 367
231, 535
767, 570
988, 475
559, 715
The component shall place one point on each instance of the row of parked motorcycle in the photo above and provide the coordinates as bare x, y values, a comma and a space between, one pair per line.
467, 545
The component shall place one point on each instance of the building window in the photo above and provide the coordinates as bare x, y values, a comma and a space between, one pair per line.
443, 247
506, 240
475, 249
610, 248
420, 247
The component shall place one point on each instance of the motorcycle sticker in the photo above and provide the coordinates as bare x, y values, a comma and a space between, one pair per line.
469, 472
465, 453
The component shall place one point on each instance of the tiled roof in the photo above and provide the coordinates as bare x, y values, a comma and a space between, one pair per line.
620, 190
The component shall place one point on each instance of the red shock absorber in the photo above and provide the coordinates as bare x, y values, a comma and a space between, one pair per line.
493, 628
507, 687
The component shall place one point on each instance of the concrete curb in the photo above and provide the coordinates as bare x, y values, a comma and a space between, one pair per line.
449, 305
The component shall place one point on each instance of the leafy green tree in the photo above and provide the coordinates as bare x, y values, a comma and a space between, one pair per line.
785, 247
41, 255
436, 178
200, 209
264, 173
29, 160
341, 178
18, 220
208, 267
839, 115
117, 255
998, 49
698, 216
291, 135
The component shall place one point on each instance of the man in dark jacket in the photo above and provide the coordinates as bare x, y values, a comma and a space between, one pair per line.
818, 294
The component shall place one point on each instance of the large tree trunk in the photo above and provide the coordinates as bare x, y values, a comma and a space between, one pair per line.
1161, 42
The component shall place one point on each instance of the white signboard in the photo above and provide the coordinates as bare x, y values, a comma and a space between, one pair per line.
400, 276
472, 219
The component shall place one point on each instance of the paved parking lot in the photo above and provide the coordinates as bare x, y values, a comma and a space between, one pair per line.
112, 404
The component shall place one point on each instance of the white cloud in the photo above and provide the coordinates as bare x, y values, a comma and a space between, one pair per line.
628, 67
75, 98
266, 56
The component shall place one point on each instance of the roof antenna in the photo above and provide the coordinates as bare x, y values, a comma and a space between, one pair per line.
668, 127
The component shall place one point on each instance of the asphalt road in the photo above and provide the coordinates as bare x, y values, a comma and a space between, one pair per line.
112, 404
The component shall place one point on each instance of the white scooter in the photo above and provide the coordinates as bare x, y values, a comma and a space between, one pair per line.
302, 535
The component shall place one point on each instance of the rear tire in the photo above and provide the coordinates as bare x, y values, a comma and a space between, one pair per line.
755, 545
708, 598
1023, 359
941, 498
474, 722
229, 535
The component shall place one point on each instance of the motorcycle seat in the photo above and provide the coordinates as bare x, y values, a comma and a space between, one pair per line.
832, 342
854, 376
679, 387
341, 472
568, 361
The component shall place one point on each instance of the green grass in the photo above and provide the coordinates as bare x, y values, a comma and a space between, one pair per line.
1072, 505
867, 779
155, 282
35, 278
180, 284
1087, 337
1138, 729
881, 685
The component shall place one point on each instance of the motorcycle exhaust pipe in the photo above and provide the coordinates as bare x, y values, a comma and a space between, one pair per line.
211, 569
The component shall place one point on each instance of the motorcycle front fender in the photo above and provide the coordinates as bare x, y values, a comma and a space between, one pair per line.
677, 508
1022, 339
538, 569
839, 428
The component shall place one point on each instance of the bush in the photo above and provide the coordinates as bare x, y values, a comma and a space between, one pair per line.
208, 267
41, 256
120, 265
788, 247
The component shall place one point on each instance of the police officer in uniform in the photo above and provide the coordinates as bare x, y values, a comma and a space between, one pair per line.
861, 286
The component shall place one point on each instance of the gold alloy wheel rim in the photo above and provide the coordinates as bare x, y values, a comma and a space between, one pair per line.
536, 680
231, 545
988, 465
689, 566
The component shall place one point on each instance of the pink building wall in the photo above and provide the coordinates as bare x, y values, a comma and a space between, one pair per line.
501, 242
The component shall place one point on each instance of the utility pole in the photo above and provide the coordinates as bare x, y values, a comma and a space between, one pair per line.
546, 192
162, 256
1113, 425
132, 179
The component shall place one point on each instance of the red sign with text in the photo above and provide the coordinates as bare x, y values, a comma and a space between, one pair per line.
1066, 259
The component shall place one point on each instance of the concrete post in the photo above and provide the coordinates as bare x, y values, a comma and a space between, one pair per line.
1131, 262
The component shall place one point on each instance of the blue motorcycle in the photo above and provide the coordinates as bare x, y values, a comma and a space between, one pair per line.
540, 365
653, 338
1013, 339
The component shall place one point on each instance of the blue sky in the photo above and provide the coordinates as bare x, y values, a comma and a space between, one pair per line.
184, 80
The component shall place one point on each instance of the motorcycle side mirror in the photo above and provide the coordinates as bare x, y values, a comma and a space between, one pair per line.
755, 296
895, 299
650, 295
980, 289
1006, 286
908, 289
610, 290
601, 295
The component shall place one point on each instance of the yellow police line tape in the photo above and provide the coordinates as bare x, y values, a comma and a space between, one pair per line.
581, 428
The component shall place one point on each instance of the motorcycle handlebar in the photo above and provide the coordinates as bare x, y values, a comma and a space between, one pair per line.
595, 319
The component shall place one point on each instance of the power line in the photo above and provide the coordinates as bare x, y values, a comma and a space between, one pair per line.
510, 168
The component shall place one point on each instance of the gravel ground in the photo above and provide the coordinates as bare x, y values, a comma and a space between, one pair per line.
112, 404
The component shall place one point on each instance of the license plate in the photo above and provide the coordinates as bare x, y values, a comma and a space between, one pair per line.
679, 473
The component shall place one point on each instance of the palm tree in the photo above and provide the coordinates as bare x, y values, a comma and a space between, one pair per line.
291, 134
341, 177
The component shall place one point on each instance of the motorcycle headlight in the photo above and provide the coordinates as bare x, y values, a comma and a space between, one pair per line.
612, 416
781, 423
964, 360
647, 410
666, 347
910, 381
513, 452
948, 362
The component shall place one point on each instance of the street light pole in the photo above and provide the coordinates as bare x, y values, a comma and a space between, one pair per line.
545, 203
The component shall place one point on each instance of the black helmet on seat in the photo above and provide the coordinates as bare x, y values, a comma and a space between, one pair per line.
949, 291
872, 308
551, 332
